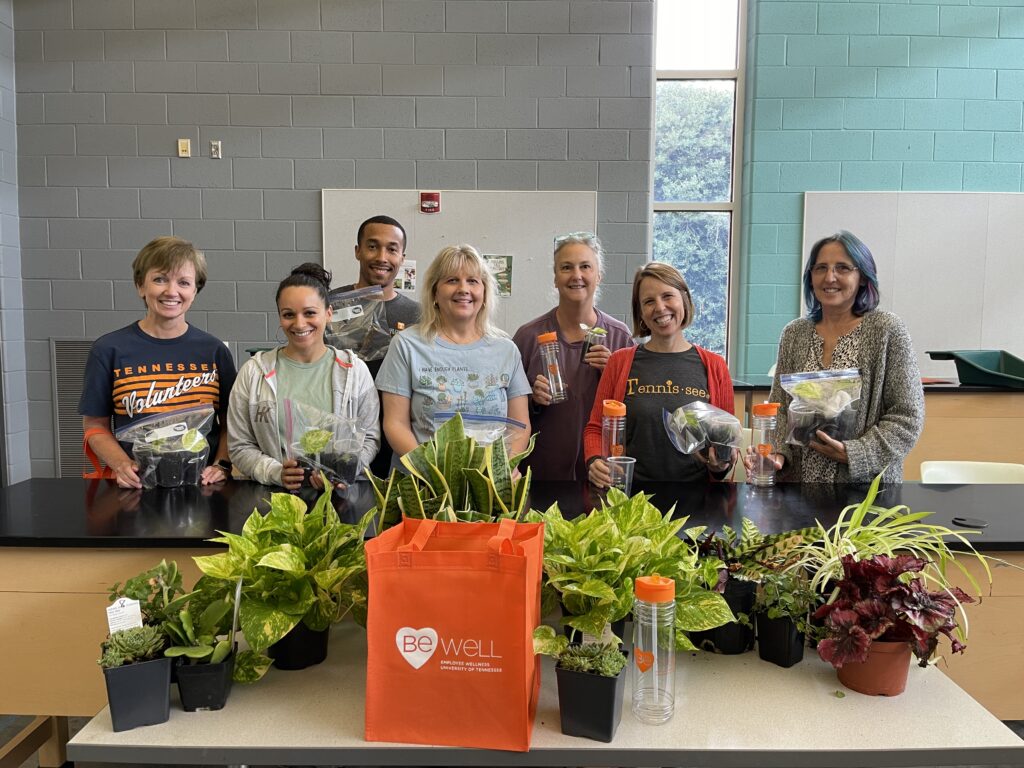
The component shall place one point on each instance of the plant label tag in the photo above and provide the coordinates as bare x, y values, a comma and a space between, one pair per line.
124, 614
605, 637
173, 430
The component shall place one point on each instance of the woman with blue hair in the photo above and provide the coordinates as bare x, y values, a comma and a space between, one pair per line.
844, 329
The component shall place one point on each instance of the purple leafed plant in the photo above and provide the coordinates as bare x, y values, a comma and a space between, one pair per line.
880, 599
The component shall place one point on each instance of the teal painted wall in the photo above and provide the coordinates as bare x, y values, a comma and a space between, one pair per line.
848, 95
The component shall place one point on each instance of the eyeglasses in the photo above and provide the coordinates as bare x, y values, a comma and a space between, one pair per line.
841, 270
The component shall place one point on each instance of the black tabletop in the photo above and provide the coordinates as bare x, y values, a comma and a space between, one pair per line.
82, 513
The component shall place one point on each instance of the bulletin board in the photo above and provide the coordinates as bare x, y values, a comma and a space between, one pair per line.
949, 263
520, 225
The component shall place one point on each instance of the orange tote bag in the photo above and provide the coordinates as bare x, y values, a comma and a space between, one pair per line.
452, 608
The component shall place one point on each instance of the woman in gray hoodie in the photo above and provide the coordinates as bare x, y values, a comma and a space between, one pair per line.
305, 370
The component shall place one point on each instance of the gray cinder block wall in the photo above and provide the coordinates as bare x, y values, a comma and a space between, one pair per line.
304, 94
14, 418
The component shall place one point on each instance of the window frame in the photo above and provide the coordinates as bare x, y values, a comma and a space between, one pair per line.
733, 330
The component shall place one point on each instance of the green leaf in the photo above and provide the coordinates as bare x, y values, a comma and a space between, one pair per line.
548, 642
481, 492
198, 652
219, 566
263, 625
221, 651
500, 474
250, 666
702, 610
289, 560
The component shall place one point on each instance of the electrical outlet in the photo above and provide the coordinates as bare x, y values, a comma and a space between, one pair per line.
215, 149
184, 147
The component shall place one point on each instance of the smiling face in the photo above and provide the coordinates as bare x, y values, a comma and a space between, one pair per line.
303, 316
380, 253
459, 297
169, 294
835, 279
661, 307
576, 273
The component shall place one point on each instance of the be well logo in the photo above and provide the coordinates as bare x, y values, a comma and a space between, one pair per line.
418, 646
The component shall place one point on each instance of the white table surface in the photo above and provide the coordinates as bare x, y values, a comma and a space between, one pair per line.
730, 711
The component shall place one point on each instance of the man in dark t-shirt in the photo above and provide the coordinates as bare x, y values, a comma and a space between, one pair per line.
380, 251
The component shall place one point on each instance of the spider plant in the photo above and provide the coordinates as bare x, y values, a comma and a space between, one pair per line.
867, 529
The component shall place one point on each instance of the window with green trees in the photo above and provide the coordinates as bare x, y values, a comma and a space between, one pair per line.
697, 115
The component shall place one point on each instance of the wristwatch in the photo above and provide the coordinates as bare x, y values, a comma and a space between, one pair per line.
225, 465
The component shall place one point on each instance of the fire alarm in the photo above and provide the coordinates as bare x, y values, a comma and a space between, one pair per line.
430, 202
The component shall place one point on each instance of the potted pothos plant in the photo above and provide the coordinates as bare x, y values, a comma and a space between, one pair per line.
301, 571
742, 558
137, 676
591, 562
452, 477
591, 678
881, 612
782, 610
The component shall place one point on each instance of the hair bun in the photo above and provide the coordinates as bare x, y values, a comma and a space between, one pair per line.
314, 271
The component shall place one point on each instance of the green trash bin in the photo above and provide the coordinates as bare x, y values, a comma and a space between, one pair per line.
985, 367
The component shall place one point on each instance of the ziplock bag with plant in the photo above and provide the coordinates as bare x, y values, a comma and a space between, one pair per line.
359, 322
483, 428
171, 449
825, 400
324, 442
700, 426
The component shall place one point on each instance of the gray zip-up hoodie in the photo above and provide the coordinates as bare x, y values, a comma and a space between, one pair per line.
254, 439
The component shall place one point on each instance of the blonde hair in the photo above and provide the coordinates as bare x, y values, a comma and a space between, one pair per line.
451, 260
168, 254
669, 275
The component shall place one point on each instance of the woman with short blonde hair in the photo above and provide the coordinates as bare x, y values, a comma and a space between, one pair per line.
454, 359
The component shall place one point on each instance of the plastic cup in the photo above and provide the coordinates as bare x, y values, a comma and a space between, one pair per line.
621, 470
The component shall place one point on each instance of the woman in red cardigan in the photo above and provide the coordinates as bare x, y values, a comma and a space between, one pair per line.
664, 373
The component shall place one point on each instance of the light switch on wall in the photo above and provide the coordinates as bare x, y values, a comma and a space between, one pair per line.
184, 147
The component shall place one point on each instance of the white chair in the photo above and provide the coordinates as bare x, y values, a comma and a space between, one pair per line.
961, 472
740, 473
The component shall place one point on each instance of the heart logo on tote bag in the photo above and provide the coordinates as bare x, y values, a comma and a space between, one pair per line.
416, 645
644, 660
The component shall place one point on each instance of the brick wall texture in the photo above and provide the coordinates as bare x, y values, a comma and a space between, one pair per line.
304, 94
922, 96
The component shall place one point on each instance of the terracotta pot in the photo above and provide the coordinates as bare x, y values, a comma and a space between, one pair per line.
883, 674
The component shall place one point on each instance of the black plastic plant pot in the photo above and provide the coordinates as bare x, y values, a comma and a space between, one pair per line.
302, 647
205, 686
779, 641
731, 638
590, 705
139, 694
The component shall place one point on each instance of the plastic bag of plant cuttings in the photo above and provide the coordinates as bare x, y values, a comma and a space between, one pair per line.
170, 448
359, 322
324, 442
483, 428
700, 426
825, 400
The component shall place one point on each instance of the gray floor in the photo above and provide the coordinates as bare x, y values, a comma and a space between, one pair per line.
10, 725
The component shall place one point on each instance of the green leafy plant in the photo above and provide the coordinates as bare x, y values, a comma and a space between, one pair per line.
129, 646
866, 529
295, 566
748, 554
451, 477
787, 595
313, 441
157, 591
603, 659
201, 631
592, 561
